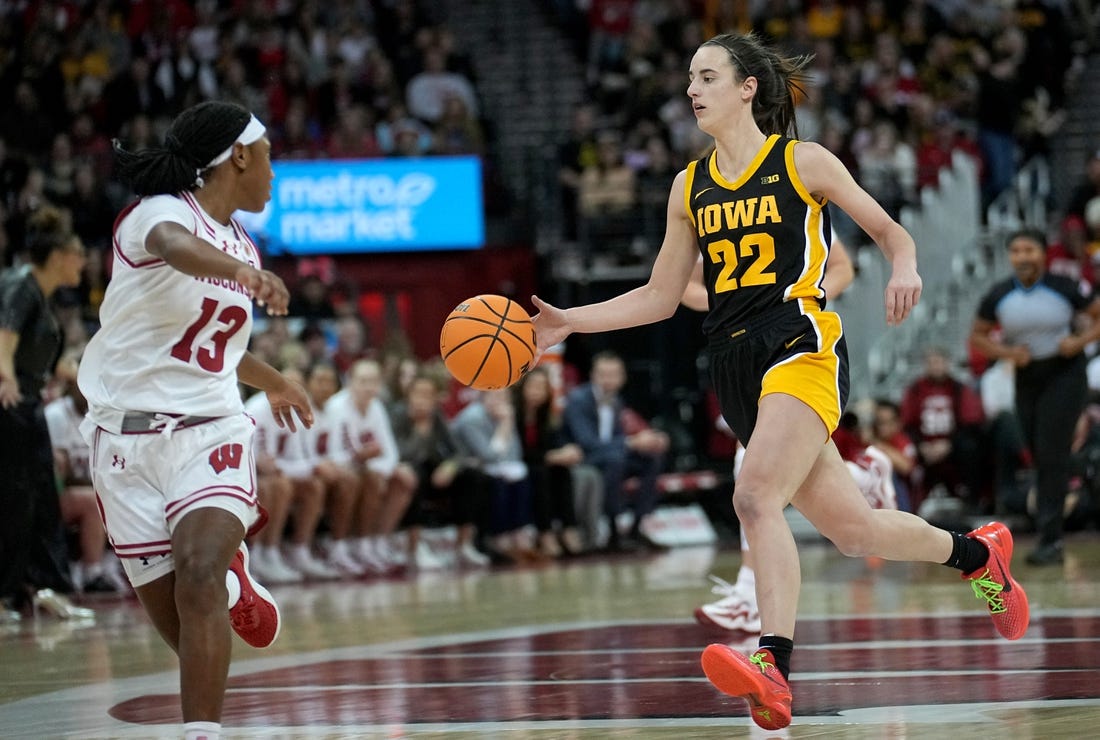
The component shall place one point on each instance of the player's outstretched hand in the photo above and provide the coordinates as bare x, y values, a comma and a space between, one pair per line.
902, 293
288, 401
266, 288
551, 326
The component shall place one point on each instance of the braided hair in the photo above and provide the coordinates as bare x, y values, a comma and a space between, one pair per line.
194, 139
777, 78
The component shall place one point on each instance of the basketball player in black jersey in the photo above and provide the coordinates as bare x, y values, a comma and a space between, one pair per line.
756, 209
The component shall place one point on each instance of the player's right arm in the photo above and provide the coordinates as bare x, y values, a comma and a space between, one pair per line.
286, 396
652, 302
185, 252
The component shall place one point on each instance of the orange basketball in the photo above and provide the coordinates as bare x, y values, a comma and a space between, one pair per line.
487, 342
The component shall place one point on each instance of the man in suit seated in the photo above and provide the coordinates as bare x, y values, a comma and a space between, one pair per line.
593, 418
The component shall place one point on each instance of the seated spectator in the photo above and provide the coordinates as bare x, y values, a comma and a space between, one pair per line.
549, 461
353, 136
275, 492
593, 420
607, 195
486, 430
311, 300
447, 479
351, 344
428, 90
456, 131
302, 457
92, 573
363, 440
1088, 187
1070, 255
889, 437
944, 418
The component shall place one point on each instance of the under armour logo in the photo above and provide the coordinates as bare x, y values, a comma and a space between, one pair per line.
119, 462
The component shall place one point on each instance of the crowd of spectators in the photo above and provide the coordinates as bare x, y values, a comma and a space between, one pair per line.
895, 89
371, 78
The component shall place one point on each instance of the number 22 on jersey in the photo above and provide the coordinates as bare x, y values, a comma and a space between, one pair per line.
760, 247
232, 319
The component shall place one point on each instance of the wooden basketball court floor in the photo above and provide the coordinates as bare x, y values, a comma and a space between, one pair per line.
590, 648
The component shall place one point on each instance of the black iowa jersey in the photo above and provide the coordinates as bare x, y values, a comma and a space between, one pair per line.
764, 239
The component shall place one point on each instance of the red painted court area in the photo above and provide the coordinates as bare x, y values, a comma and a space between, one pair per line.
652, 671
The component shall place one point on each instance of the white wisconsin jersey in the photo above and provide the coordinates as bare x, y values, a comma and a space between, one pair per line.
290, 450
169, 342
63, 421
350, 430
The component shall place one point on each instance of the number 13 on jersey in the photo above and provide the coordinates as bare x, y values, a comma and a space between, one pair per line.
231, 318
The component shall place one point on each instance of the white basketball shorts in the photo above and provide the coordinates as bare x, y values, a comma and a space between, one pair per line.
148, 482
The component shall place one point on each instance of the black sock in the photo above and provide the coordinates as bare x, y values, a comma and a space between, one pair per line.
967, 553
781, 648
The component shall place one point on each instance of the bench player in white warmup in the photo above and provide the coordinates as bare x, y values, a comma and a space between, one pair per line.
171, 446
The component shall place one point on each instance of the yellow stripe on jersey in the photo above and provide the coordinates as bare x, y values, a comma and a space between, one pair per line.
752, 168
812, 377
689, 179
808, 284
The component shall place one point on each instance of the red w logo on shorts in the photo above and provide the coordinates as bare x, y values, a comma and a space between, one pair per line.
226, 456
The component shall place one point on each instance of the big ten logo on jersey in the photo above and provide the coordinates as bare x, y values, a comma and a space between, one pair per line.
737, 214
227, 456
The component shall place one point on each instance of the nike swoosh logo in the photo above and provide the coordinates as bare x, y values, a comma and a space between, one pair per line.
791, 343
1004, 577
703, 191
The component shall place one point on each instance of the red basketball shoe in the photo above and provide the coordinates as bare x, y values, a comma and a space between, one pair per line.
755, 679
994, 583
255, 616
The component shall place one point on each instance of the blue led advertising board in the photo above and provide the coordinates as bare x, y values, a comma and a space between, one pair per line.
375, 205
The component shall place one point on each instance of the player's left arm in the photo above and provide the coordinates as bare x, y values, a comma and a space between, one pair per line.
825, 176
285, 396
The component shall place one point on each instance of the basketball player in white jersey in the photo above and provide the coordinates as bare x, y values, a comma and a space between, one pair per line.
274, 491
91, 574
299, 465
171, 446
363, 441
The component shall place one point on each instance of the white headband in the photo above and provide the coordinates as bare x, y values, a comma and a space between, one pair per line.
251, 134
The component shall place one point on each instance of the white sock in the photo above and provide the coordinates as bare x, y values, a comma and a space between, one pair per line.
256, 552
202, 731
233, 586
92, 571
